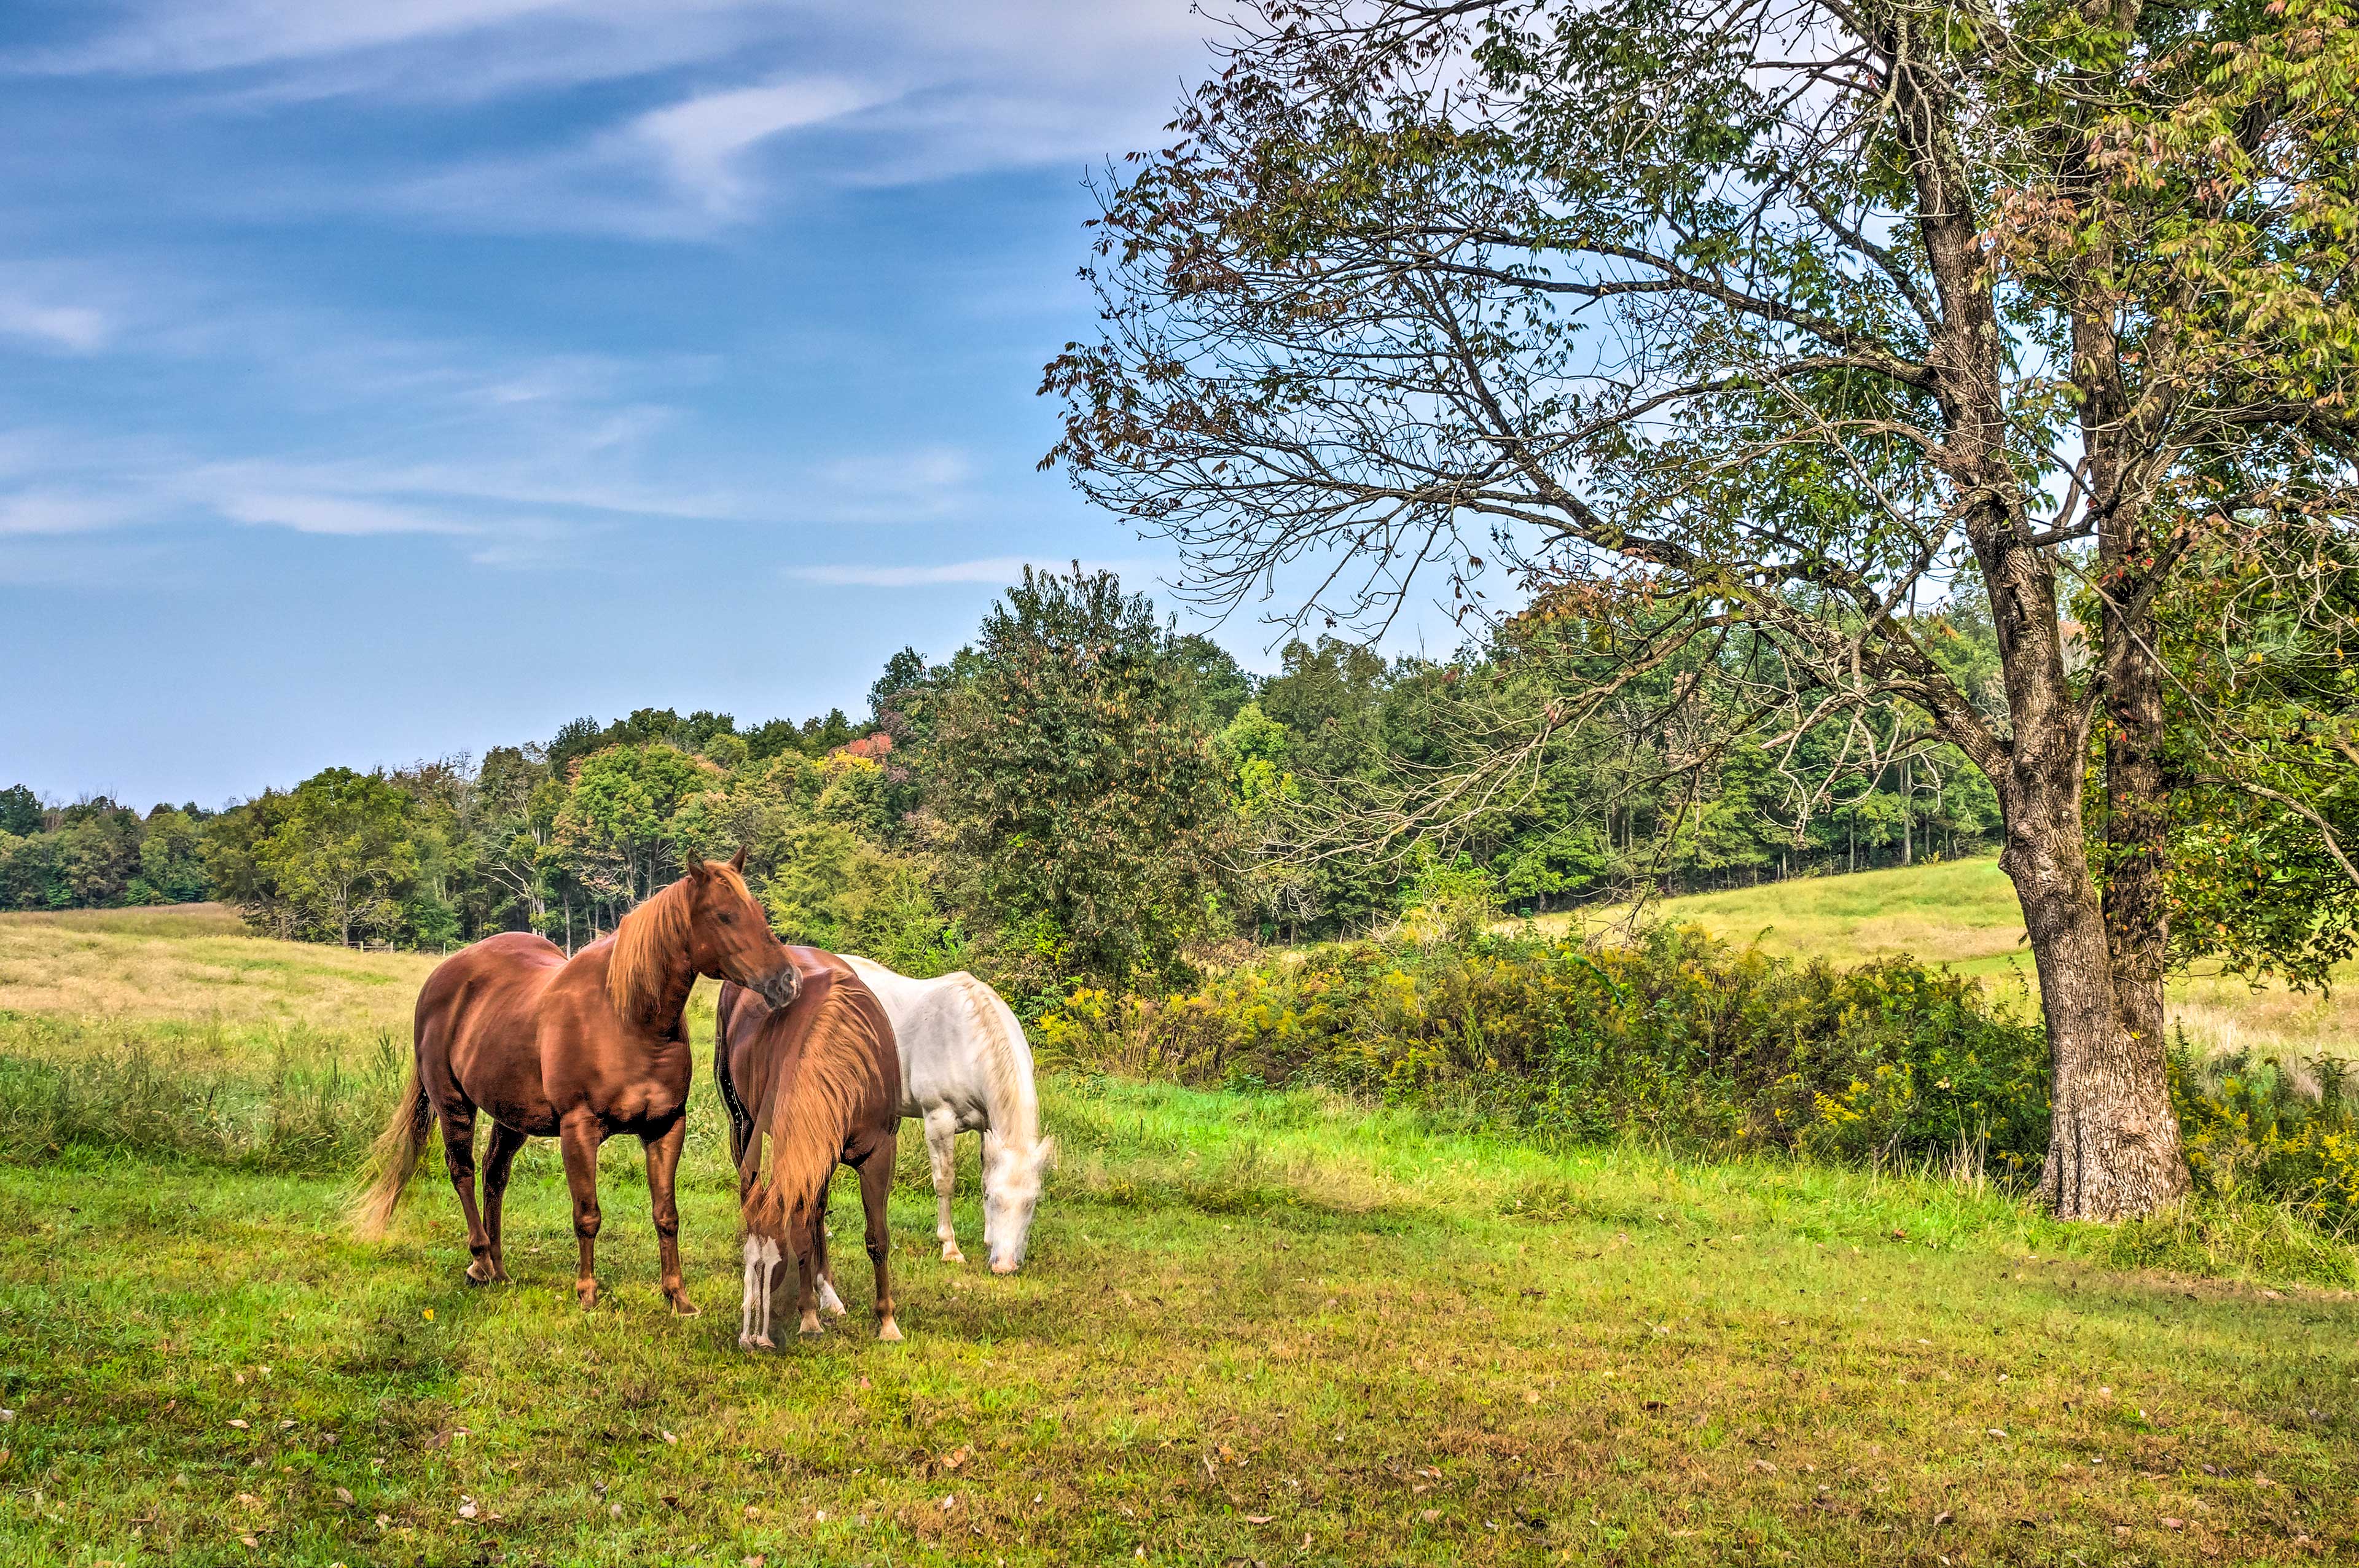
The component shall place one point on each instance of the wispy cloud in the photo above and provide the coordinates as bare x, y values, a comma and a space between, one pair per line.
49, 512
680, 142
698, 139
338, 514
78, 329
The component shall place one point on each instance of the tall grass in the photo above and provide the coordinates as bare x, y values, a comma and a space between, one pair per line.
307, 1110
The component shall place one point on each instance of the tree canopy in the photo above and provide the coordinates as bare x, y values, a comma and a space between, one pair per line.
1772, 316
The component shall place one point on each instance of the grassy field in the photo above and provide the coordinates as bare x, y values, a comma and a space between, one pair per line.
1269, 1328
1963, 913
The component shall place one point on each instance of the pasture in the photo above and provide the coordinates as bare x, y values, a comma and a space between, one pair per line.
1962, 913
1270, 1328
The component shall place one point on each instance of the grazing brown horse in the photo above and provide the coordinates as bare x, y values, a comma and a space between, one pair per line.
822, 1080
578, 1050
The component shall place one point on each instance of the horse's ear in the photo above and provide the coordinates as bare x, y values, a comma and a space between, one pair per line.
737, 860
696, 866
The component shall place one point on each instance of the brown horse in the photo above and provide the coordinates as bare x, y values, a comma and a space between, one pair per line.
578, 1050
822, 1079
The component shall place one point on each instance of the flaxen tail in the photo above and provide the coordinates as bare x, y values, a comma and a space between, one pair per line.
392, 1159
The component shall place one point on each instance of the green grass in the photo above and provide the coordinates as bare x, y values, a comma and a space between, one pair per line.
1280, 1329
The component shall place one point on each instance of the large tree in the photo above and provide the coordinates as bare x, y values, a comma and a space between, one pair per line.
1782, 313
1073, 773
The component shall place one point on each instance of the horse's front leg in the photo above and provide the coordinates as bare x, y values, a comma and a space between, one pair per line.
810, 1260
663, 1164
941, 1150
579, 1136
761, 1274
829, 1302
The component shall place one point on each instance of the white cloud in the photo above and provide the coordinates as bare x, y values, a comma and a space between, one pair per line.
38, 512
76, 327
700, 138
909, 90
343, 515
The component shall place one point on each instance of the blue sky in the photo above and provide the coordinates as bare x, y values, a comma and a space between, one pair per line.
383, 380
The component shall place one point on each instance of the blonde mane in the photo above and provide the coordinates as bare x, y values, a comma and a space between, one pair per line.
651, 939
1015, 1107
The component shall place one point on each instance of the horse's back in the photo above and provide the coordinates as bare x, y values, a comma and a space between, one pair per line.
476, 1024
953, 1032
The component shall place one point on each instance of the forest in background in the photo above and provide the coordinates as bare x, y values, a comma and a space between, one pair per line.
1084, 791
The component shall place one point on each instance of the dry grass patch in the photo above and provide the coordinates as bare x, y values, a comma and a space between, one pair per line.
195, 964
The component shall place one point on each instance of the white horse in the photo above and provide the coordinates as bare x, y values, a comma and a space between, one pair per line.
966, 1067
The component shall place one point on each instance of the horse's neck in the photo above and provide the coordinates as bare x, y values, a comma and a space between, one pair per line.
999, 1065
659, 1011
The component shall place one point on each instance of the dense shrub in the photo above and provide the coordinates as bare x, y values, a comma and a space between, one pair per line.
1681, 1038
2282, 1130
1675, 1036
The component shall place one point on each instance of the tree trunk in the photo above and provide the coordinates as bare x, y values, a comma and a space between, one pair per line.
2137, 920
2113, 1151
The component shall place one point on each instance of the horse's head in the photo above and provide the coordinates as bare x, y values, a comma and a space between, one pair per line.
1011, 1190
729, 937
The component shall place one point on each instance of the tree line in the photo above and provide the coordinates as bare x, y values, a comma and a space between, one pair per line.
1083, 791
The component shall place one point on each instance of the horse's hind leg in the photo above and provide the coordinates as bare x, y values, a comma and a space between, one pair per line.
942, 1151
663, 1166
506, 1141
459, 1157
876, 1168
579, 1136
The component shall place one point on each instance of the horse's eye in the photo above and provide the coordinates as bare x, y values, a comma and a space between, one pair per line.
728, 919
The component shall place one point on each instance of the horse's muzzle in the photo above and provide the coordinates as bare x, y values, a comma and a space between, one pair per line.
781, 985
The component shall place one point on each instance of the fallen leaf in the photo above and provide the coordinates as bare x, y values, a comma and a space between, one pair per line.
669, 1438
1259, 1518
1944, 1517
344, 1497
248, 1540
1530, 1398
2174, 1524
467, 1510
239, 1424
1430, 1515
1996, 1431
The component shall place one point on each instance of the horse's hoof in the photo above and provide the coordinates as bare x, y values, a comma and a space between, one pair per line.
810, 1325
889, 1331
479, 1272
951, 1254
682, 1307
755, 1342
586, 1294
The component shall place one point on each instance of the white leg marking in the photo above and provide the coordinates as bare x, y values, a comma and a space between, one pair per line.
745, 1305
769, 1271
828, 1299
